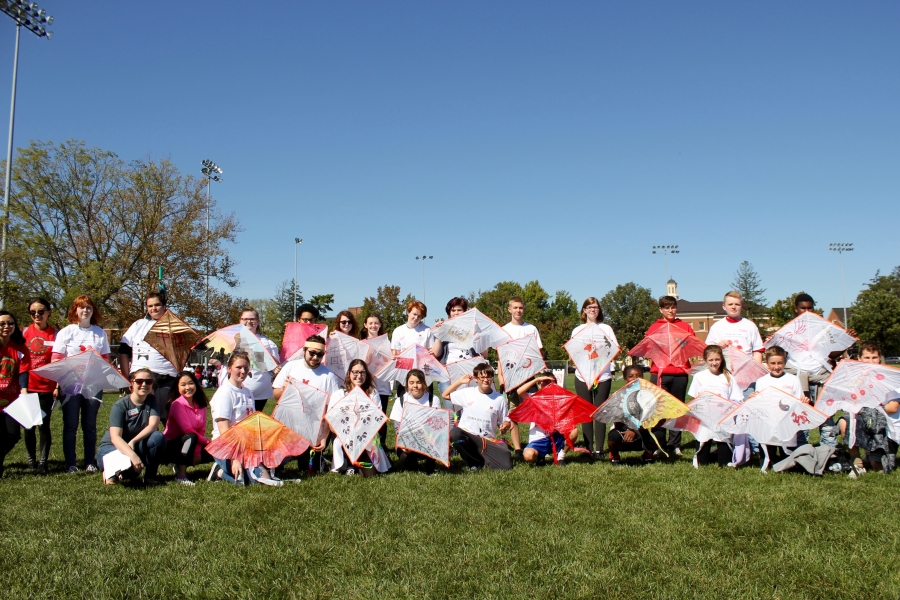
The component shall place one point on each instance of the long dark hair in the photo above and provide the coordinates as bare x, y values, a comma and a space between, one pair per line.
199, 396
364, 333
16, 336
367, 385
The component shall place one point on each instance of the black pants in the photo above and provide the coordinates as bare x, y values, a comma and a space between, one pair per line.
677, 386
180, 451
9, 436
260, 404
46, 401
723, 453
593, 432
161, 386
468, 446
382, 433
644, 442
410, 460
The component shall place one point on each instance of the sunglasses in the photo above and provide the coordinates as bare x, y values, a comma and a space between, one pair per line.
143, 382
317, 353
345, 322
36, 313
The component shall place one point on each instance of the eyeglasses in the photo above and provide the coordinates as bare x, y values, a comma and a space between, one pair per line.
143, 382
592, 308
316, 353
7, 324
302, 320
36, 313
360, 373
250, 320
485, 376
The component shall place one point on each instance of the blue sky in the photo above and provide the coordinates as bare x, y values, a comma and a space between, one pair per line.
555, 141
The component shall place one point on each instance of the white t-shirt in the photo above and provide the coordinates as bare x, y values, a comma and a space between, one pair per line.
481, 413
456, 352
142, 353
72, 339
298, 370
705, 381
607, 372
404, 337
260, 382
397, 408
520, 331
788, 382
743, 335
232, 403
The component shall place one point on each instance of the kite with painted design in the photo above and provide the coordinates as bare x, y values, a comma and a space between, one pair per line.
173, 338
809, 340
591, 349
239, 337
669, 345
85, 373
256, 440
855, 385
425, 430
519, 360
414, 357
302, 408
473, 329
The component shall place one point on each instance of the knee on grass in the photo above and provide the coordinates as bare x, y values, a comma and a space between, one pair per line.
531, 455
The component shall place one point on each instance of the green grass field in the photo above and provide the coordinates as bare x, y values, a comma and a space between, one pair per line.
580, 531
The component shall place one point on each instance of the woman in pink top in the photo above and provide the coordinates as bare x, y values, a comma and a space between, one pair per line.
185, 430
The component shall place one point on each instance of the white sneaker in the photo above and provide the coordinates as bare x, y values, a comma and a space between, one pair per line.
561, 455
185, 481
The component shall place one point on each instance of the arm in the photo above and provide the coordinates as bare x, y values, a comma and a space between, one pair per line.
892, 407
464, 380
152, 425
522, 389
125, 359
115, 436
757, 356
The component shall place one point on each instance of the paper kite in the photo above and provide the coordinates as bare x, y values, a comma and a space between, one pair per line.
473, 329
301, 409
669, 345
640, 404
464, 367
519, 360
85, 373
173, 338
340, 350
26, 409
425, 430
258, 439
554, 409
707, 409
239, 337
355, 420
742, 367
295, 335
378, 352
772, 417
591, 349
809, 339
414, 357
856, 385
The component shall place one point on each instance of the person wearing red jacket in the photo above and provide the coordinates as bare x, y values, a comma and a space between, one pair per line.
673, 378
39, 337
14, 362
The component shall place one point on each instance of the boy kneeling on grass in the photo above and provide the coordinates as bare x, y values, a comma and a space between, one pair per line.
623, 439
482, 410
540, 443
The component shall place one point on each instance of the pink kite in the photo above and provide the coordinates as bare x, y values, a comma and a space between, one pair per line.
856, 385
295, 335
669, 345
239, 337
414, 357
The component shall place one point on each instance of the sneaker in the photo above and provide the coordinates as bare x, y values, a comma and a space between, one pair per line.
185, 481
647, 458
474, 468
517, 454
614, 458
41, 468
32, 465
349, 472
856, 472
674, 451
72, 469
561, 455
256, 475
92, 469
215, 473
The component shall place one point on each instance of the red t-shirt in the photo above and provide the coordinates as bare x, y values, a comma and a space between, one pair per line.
671, 369
14, 359
36, 340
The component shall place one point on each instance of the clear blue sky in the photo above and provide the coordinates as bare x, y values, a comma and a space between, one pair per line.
555, 141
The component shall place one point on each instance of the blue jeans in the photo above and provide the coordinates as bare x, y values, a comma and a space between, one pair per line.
225, 465
150, 449
87, 408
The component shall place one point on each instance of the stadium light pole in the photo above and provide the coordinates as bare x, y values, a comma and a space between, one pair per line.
840, 249
423, 258
212, 173
36, 21
297, 242
666, 251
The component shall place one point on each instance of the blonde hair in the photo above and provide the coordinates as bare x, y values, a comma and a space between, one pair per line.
715, 349
733, 294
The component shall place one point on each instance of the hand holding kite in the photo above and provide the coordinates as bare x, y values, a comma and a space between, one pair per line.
591, 349
669, 345
85, 373
472, 328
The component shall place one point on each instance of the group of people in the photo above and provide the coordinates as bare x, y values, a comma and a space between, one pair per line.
161, 394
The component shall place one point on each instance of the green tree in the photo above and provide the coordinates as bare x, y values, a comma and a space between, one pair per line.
782, 311
388, 304
876, 312
747, 282
322, 302
559, 319
629, 309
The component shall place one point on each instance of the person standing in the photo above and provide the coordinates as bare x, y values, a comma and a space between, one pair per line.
260, 383
39, 337
14, 361
517, 328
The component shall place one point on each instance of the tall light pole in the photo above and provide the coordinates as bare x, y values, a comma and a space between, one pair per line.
666, 251
423, 258
212, 172
297, 242
35, 20
840, 249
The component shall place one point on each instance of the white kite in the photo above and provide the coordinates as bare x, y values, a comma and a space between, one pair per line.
743, 368
340, 350
707, 409
355, 420
301, 409
85, 373
855, 385
519, 360
425, 430
239, 337
591, 349
809, 339
464, 367
377, 352
473, 329
414, 357
26, 409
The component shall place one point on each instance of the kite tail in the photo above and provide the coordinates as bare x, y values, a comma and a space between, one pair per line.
312, 455
655, 439
696, 460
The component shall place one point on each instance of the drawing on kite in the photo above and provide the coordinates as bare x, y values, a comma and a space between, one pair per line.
639, 406
802, 418
458, 333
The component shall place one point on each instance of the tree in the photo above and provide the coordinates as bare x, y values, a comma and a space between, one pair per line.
559, 319
82, 221
284, 302
783, 311
389, 306
322, 303
629, 309
876, 312
746, 281
271, 318
495, 302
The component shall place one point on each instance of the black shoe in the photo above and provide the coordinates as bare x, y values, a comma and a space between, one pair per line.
32, 465
517, 455
647, 458
41, 468
615, 459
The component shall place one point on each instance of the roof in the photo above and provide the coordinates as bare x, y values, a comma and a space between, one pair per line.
687, 307
671, 281
839, 314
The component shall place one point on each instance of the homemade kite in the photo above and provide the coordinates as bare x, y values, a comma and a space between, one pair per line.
743, 368
591, 349
295, 335
554, 408
464, 367
519, 360
340, 350
669, 345
256, 440
771, 417
473, 329
26, 409
355, 420
378, 352
425, 430
173, 338
809, 339
239, 337
85, 373
856, 385
414, 357
707, 409
640, 404
301, 409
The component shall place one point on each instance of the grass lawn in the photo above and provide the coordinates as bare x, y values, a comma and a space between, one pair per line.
580, 531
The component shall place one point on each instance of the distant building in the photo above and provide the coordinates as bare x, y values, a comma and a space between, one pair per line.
836, 316
699, 315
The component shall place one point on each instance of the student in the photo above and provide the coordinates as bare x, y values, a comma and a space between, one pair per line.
415, 394
540, 443
623, 439
448, 352
673, 378
372, 328
84, 332
776, 359
185, 430
483, 410
734, 330
307, 313
873, 427
592, 313
345, 323
15, 359
133, 430
517, 328
39, 337
414, 331
716, 379
260, 383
